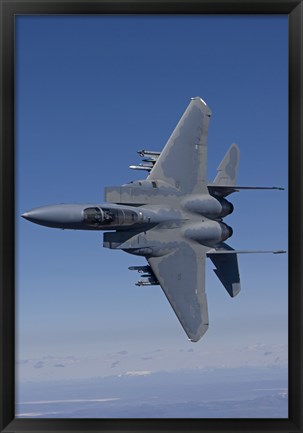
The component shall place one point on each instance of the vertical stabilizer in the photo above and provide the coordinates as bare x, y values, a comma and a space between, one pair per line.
228, 168
227, 269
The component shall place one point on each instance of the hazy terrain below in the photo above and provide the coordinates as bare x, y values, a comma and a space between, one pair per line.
210, 393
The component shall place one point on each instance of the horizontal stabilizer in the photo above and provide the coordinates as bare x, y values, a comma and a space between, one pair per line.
226, 261
223, 251
224, 190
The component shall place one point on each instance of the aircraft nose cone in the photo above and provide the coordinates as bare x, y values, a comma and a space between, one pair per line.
36, 215
57, 216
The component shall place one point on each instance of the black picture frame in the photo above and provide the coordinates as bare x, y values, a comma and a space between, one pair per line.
8, 10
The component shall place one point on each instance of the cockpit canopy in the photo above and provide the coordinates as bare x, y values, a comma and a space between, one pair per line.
97, 217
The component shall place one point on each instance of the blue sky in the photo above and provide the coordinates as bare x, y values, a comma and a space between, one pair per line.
90, 92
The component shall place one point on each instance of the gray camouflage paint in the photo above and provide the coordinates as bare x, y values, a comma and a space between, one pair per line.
173, 218
183, 161
188, 267
228, 169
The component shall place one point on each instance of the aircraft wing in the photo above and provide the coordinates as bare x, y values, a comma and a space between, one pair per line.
183, 161
181, 274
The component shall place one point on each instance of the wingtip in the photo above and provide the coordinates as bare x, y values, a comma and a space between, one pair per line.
201, 331
198, 98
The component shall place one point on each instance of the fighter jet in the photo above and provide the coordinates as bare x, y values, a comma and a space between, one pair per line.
173, 218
